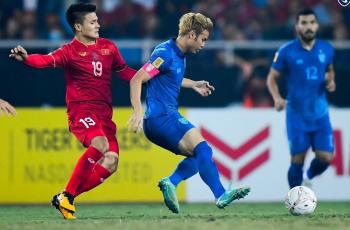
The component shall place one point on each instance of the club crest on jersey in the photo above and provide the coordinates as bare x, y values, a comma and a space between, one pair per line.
105, 51
322, 57
82, 54
94, 56
344, 2
158, 62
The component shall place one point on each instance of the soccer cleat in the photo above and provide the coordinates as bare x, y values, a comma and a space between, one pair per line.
231, 195
307, 183
169, 194
65, 202
56, 202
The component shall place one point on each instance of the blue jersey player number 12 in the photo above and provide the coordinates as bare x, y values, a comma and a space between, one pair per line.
307, 64
164, 125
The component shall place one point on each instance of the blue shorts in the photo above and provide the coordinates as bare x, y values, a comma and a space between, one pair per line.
318, 137
167, 130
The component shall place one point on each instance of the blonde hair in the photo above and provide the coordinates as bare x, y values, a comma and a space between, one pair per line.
194, 21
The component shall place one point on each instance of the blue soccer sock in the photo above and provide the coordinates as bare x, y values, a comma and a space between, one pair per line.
317, 167
185, 169
207, 168
295, 174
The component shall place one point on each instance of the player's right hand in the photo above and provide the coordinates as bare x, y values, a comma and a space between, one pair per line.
135, 122
330, 86
280, 103
19, 53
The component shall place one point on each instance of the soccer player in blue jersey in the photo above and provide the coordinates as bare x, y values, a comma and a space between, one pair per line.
307, 65
164, 125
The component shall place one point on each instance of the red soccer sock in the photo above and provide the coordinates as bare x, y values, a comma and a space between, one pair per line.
97, 176
83, 169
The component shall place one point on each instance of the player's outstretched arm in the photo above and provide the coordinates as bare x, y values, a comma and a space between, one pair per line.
203, 88
6, 108
274, 91
135, 122
19, 53
37, 60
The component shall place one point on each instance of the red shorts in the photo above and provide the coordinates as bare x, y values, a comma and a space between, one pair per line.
86, 125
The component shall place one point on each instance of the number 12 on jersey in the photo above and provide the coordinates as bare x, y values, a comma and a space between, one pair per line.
311, 73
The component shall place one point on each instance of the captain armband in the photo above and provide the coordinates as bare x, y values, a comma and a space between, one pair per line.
150, 69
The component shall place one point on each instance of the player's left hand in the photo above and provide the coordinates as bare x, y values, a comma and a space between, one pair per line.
135, 122
203, 88
330, 86
6, 108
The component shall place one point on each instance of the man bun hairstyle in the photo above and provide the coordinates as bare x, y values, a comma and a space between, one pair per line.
76, 12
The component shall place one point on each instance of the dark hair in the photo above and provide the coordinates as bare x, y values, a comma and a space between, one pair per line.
76, 12
304, 12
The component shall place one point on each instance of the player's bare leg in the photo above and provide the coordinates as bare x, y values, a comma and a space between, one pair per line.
110, 161
189, 141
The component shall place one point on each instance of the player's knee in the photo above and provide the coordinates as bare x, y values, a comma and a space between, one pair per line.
325, 157
186, 151
110, 161
100, 143
190, 141
298, 159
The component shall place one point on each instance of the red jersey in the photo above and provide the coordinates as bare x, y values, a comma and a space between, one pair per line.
87, 71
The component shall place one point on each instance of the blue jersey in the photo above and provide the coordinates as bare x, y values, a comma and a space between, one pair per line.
163, 89
305, 73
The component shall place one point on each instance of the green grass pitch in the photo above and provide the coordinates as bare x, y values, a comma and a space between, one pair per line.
262, 216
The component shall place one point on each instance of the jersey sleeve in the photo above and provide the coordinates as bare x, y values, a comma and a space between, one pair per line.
120, 67
279, 60
54, 59
60, 57
118, 61
159, 61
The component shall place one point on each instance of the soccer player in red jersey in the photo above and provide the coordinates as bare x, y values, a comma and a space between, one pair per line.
88, 62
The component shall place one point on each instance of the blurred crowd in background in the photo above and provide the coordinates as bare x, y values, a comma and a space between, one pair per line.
234, 20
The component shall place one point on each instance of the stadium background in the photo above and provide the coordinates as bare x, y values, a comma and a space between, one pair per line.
38, 152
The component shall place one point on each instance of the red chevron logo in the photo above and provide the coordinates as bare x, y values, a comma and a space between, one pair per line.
337, 162
238, 152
